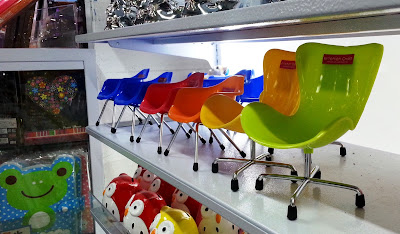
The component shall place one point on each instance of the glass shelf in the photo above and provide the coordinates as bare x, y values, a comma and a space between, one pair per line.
265, 211
105, 219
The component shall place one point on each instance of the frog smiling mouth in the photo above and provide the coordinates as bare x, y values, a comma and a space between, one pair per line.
39, 195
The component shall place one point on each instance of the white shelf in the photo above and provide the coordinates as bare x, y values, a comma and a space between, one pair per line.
291, 19
320, 209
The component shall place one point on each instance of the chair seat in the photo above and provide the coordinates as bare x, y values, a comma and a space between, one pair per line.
109, 89
176, 115
189, 101
220, 111
270, 128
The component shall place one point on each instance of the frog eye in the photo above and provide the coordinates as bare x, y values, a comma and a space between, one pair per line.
181, 197
155, 222
61, 172
155, 186
148, 176
206, 212
10, 180
166, 227
110, 190
136, 208
63, 169
137, 172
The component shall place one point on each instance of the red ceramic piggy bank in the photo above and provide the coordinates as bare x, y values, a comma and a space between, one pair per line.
141, 210
144, 177
163, 188
117, 194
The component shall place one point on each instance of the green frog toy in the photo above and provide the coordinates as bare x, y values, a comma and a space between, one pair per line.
36, 191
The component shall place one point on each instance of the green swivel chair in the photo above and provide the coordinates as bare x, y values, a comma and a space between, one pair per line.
335, 83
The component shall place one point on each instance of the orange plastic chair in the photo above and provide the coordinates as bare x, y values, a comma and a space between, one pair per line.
188, 102
281, 91
159, 99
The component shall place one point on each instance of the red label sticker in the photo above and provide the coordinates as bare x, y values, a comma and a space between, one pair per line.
162, 80
286, 64
343, 59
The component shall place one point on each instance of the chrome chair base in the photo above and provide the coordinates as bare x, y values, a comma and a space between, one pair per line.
342, 148
249, 162
311, 176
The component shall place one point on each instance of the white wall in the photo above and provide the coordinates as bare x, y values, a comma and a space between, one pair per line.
379, 125
121, 63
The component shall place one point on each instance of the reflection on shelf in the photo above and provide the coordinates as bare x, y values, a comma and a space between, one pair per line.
105, 219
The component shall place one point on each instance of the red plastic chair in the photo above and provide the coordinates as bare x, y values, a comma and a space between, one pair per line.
160, 97
188, 102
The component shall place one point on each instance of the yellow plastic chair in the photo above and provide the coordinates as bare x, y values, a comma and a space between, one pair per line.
281, 91
335, 83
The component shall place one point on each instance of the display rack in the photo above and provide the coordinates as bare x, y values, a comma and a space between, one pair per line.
292, 19
265, 212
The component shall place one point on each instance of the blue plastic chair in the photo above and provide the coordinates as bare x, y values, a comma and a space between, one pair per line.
132, 94
214, 80
252, 90
111, 87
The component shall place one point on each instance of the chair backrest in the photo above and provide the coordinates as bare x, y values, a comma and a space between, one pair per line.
214, 80
248, 74
281, 85
252, 89
142, 74
189, 101
157, 94
163, 78
232, 86
336, 81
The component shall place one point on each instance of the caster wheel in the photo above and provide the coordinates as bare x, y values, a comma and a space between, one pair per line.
195, 166
342, 151
292, 212
190, 131
222, 147
138, 139
294, 173
211, 140
317, 175
271, 150
187, 135
203, 141
214, 167
159, 150
259, 184
140, 120
97, 123
172, 131
268, 158
360, 201
113, 130
131, 139
234, 185
151, 123
166, 152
